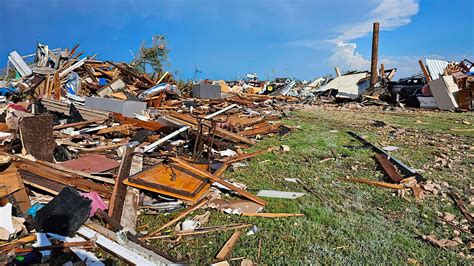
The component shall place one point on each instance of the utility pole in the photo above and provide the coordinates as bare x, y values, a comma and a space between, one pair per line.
375, 53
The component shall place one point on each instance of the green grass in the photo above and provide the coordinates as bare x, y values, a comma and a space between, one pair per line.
372, 225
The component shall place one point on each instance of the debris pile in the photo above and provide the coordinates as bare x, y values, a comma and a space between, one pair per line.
87, 143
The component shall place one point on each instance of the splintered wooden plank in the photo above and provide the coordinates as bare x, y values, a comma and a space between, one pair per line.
172, 180
389, 168
120, 128
373, 183
228, 246
10, 181
118, 194
263, 129
41, 172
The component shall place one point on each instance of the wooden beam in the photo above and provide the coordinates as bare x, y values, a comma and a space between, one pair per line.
373, 183
228, 246
272, 215
388, 168
132, 195
425, 71
48, 173
120, 189
205, 230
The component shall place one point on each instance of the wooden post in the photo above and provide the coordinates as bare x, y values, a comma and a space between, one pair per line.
382, 70
118, 194
129, 212
228, 246
375, 54
425, 71
338, 72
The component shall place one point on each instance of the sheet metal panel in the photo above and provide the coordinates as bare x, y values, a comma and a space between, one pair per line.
436, 67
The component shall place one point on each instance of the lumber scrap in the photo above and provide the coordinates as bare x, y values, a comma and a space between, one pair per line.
4, 249
132, 195
272, 215
172, 180
80, 244
11, 184
373, 183
44, 172
204, 230
117, 199
263, 129
228, 246
242, 157
121, 128
388, 168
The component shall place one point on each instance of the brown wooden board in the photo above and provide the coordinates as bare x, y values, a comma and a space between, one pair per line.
10, 181
118, 193
46, 173
389, 168
172, 180
37, 136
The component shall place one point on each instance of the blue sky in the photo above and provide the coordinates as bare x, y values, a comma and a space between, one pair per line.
292, 38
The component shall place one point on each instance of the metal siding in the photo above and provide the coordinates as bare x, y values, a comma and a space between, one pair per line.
436, 67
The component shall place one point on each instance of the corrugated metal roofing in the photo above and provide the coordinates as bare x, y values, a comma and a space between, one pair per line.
436, 67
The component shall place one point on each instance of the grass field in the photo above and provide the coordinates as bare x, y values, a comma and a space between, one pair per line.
370, 225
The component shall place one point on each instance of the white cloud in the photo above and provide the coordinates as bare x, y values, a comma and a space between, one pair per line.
346, 57
391, 14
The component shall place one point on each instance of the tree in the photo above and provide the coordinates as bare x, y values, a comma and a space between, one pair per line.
154, 56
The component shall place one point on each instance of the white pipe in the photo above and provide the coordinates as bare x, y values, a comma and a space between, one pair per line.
153, 145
